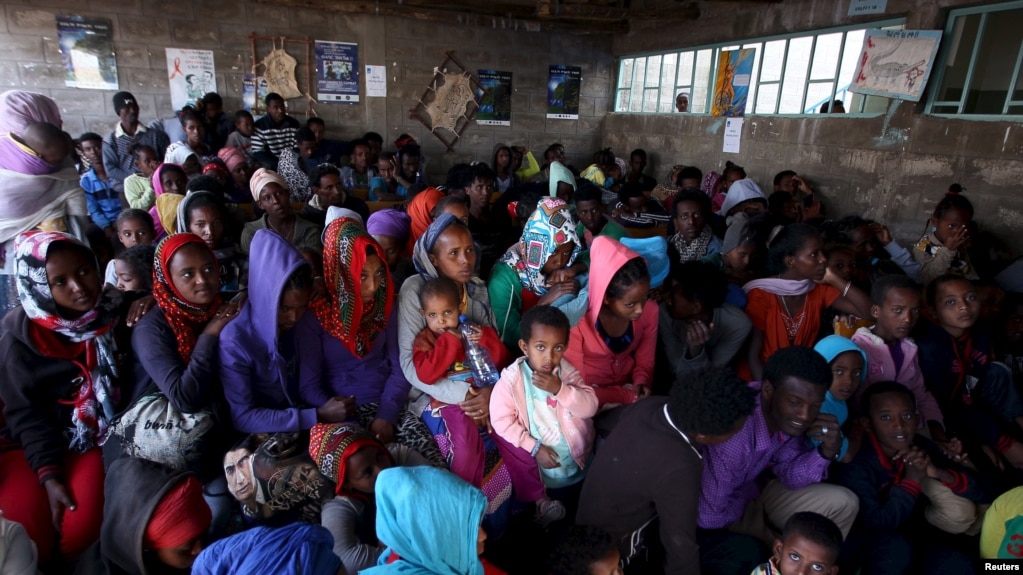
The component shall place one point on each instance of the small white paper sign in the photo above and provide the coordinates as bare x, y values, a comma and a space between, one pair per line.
376, 81
862, 7
733, 133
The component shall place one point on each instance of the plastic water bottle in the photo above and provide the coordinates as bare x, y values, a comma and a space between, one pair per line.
477, 357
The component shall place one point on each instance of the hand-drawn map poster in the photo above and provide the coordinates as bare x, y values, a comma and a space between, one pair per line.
87, 48
337, 72
896, 63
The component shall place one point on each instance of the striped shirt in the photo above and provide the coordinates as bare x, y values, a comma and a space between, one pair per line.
269, 140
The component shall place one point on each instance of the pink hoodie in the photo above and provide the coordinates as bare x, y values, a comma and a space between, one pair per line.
881, 367
577, 404
608, 372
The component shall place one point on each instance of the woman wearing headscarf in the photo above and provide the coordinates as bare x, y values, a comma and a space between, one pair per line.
391, 229
419, 210
241, 173
298, 549
352, 348
352, 459
431, 522
52, 202
60, 386
169, 187
534, 271
155, 520
270, 193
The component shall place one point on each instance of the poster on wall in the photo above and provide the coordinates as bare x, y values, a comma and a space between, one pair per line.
731, 84
87, 48
896, 63
563, 86
253, 87
337, 72
495, 103
191, 75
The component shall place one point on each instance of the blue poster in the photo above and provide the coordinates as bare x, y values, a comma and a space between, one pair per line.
563, 85
495, 104
337, 72
87, 49
731, 86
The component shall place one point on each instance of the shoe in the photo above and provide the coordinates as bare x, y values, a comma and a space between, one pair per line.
548, 511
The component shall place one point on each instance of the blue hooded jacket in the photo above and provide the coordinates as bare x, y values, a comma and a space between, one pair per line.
830, 348
298, 549
261, 392
430, 519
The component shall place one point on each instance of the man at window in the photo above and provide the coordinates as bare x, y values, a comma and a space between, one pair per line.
682, 102
838, 107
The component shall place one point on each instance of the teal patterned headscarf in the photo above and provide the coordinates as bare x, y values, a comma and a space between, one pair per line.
549, 228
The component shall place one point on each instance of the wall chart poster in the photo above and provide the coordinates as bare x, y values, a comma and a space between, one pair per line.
87, 48
191, 75
896, 63
731, 85
563, 85
495, 106
337, 72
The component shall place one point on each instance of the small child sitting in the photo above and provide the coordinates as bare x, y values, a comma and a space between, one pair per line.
635, 210
134, 228
437, 353
138, 187
241, 137
912, 497
847, 362
39, 151
584, 550
809, 543
134, 268
543, 409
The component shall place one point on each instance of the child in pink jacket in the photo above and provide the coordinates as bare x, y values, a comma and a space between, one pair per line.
613, 345
542, 408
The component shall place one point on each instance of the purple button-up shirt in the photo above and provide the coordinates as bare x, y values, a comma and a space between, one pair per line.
730, 469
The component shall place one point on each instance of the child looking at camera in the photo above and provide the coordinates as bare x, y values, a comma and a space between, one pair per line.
134, 268
543, 409
809, 543
943, 249
134, 228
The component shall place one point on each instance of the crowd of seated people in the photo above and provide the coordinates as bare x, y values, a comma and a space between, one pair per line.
258, 349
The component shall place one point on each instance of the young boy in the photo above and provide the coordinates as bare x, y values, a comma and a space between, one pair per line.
809, 543
241, 137
437, 353
913, 499
100, 196
892, 355
134, 228
134, 268
585, 551
138, 187
847, 362
542, 408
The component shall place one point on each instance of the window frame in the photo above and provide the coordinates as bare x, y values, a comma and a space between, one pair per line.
938, 74
716, 49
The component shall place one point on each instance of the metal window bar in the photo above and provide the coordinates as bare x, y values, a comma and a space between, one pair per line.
973, 63
809, 73
1009, 101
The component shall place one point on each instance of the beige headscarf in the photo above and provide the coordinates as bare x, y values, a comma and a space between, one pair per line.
261, 178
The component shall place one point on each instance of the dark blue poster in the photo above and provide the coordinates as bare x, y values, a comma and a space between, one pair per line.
337, 72
563, 86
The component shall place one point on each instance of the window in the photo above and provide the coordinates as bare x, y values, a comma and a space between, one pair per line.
981, 57
793, 74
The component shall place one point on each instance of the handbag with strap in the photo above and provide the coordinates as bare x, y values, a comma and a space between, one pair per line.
151, 428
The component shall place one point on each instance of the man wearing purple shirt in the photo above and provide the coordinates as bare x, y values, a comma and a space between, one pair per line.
738, 499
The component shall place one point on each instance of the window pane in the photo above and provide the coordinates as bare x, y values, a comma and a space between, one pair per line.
653, 72
702, 81
794, 83
625, 75
767, 97
753, 75
639, 73
622, 105
685, 68
957, 64
817, 93
995, 62
774, 54
669, 66
825, 56
650, 100
850, 57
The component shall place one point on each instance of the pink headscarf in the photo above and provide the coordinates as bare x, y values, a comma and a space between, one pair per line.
20, 109
231, 157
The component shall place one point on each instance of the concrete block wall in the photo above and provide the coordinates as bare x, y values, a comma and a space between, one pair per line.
893, 167
30, 59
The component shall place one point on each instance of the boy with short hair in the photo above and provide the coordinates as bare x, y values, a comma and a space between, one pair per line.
241, 137
542, 408
809, 543
585, 551
892, 354
913, 499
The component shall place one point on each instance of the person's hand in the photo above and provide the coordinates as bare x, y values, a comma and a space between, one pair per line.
547, 457
953, 449
832, 279
642, 391
138, 309
916, 462
521, 149
60, 500
827, 430
240, 298
556, 290
425, 340
881, 233
548, 382
957, 238
562, 275
336, 410
225, 314
814, 210
475, 333
477, 405
697, 335
383, 430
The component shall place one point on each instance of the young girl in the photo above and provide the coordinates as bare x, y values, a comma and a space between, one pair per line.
447, 513
786, 309
537, 270
506, 178
138, 187
134, 228
613, 346
204, 214
848, 370
390, 228
171, 180
353, 458
134, 268
943, 249
542, 407
976, 396
60, 387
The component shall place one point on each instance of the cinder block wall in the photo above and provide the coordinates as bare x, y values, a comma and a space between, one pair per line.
893, 167
30, 59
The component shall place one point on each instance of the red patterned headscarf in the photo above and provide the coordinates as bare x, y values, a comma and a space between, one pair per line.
342, 312
185, 318
331, 445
